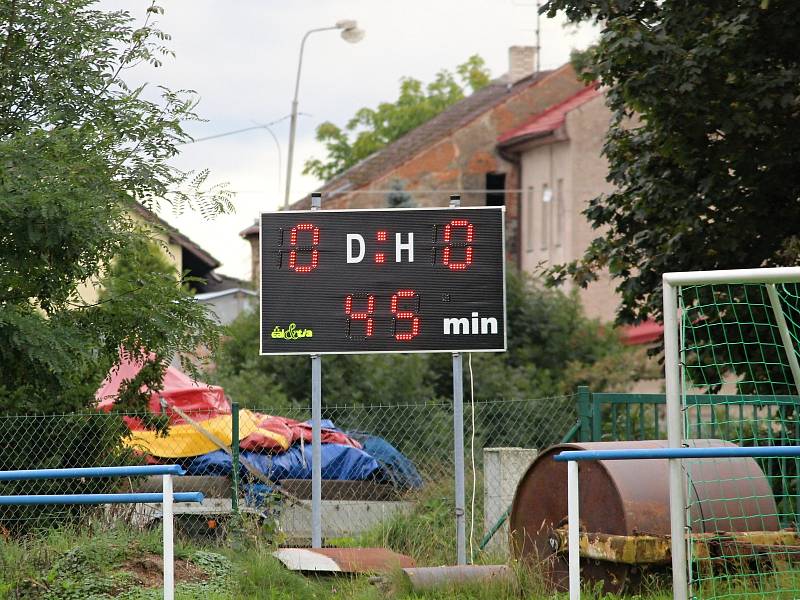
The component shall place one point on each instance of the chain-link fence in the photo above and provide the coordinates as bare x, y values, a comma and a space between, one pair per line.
387, 469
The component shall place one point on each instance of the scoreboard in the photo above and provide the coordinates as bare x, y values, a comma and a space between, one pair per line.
383, 280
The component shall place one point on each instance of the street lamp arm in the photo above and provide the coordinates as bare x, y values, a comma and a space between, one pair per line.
351, 34
300, 61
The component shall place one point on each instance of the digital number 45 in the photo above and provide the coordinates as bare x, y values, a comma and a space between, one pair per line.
404, 307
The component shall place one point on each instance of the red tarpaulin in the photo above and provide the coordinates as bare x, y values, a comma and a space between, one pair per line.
197, 399
208, 406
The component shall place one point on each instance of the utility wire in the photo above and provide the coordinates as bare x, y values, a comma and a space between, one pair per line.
237, 131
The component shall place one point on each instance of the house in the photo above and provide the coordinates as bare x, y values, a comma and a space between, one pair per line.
227, 304
455, 152
183, 253
562, 168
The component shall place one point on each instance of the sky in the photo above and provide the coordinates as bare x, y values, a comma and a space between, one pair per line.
240, 57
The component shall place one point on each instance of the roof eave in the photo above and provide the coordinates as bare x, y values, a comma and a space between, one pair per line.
528, 141
176, 237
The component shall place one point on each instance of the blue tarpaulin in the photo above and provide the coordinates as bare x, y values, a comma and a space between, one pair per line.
338, 462
397, 468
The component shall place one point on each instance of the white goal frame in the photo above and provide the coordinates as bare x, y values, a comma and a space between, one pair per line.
672, 282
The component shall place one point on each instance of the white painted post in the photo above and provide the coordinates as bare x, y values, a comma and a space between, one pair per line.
573, 535
677, 483
168, 527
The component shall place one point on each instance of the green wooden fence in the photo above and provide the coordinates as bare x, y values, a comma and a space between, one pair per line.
747, 420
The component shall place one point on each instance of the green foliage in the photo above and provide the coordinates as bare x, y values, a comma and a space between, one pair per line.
552, 347
76, 146
706, 172
373, 128
67, 564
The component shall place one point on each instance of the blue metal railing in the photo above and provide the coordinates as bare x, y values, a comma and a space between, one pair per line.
654, 453
132, 471
166, 499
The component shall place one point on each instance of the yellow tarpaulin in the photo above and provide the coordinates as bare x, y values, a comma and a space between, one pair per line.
185, 440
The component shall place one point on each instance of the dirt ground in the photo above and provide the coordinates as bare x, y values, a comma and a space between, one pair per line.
149, 571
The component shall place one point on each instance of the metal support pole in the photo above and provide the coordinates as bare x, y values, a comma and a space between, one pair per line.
458, 452
167, 525
316, 451
573, 533
316, 433
292, 133
677, 490
293, 122
585, 413
235, 457
458, 443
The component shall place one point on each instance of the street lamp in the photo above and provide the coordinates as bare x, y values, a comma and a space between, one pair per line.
350, 33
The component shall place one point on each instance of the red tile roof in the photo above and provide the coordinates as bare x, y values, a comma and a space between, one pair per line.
549, 120
643, 333
425, 136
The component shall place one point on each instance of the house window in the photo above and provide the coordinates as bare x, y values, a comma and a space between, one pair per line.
529, 206
547, 204
559, 210
495, 189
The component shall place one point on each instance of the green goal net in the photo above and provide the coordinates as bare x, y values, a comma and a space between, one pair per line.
738, 349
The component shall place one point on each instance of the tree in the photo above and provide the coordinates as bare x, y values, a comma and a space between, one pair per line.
373, 128
703, 144
77, 146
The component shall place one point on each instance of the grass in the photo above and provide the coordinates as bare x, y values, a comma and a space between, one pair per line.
62, 564
90, 564
94, 563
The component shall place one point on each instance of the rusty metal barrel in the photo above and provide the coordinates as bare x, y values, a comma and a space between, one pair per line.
630, 498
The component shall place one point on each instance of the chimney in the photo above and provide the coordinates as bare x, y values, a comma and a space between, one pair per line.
521, 62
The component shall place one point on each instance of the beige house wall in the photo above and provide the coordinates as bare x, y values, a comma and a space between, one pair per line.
89, 291
571, 166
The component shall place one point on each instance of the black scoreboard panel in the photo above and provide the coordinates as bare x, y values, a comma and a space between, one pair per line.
392, 280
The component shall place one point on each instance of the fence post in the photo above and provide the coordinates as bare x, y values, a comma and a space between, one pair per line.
597, 421
585, 413
235, 457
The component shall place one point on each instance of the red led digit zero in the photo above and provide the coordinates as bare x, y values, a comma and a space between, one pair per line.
448, 249
406, 315
294, 265
366, 316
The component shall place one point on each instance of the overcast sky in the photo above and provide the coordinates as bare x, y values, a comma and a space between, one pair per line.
240, 56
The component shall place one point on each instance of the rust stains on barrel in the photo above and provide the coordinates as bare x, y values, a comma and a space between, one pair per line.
630, 497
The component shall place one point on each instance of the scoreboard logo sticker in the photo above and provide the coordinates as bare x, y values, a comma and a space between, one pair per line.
292, 332
399, 280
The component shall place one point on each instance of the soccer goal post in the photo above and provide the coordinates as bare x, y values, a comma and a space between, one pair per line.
731, 340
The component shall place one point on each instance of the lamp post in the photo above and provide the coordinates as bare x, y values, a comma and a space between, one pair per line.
350, 33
